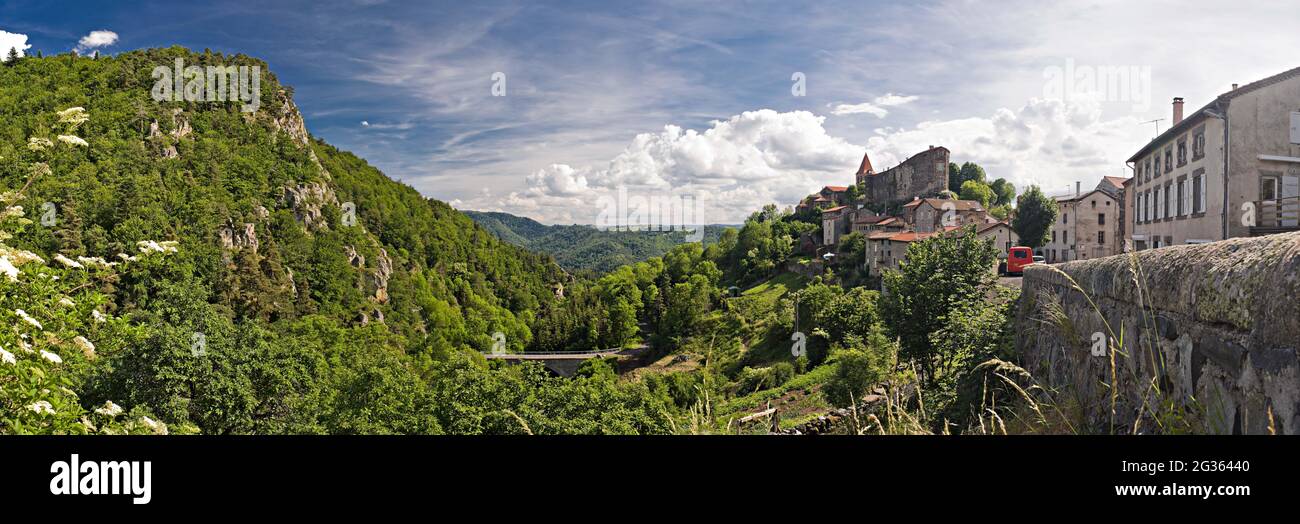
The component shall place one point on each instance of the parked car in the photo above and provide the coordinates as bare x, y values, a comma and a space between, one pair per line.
1017, 258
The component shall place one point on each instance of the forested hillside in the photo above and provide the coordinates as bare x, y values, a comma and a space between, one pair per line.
228, 273
582, 248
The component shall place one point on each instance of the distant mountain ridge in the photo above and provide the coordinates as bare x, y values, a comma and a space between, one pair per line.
582, 247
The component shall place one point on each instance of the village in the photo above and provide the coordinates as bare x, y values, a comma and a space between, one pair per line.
1229, 169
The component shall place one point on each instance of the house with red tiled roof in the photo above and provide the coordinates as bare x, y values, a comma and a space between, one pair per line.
931, 214
835, 224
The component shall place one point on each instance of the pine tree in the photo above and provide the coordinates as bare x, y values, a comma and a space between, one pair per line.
13, 57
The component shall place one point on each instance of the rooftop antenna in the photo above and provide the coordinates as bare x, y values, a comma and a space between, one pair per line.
1157, 123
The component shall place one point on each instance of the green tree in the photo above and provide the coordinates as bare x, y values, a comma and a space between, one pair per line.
1035, 214
12, 57
1004, 190
972, 190
939, 274
859, 364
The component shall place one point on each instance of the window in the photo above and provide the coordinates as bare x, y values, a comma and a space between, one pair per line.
1101, 219
1094, 204
1065, 218
1184, 197
1156, 215
1169, 159
1157, 170
1065, 237
1101, 237
1268, 187
1053, 237
1198, 143
1169, 203
1146, 171
939, 167
1182, 151
1198, 190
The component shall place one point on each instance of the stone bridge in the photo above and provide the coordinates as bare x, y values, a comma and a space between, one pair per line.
562, 363
1210, 336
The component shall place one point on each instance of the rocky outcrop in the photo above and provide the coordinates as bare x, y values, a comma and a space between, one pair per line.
1210, 334
307, 200
242, 237
289, 120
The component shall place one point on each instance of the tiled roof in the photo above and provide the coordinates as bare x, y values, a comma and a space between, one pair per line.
833, 209
837, 189
866, 164
937, 203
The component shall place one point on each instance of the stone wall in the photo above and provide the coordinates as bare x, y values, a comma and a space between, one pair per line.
924, 174
1210, 336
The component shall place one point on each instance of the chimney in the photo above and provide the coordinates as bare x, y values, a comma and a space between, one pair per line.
1178, 109
1077, 190
1234, 87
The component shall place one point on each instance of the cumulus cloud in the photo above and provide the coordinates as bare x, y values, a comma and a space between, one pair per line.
735, 166
96, 39
759, 157
12, 41
1050, 143
875, 107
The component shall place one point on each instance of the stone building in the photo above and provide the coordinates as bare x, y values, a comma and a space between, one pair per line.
1229, 169
1002, 236
928, 215
924, 174
1087, 226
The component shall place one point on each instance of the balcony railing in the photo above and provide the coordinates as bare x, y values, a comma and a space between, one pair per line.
1280, 214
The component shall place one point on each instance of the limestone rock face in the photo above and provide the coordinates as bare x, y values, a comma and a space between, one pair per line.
290, 121
233, 238
1214, 327
307, 201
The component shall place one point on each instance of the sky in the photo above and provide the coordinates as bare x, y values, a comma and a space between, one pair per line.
733, 104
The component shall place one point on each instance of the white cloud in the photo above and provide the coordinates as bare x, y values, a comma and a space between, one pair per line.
736, 166
96, 39
891, 99
875, 107
12, 41
865, 107
1050, 143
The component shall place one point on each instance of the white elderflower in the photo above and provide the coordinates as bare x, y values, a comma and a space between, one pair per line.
99, 317
51, 357
12, 211
67, 261
28, 319
147, 246
157, 427
67, 302
125, 257
87, 348
8, 269
41, 407
74, 116
109, 408
39, 144
23, 345
21, 256
94, 261
72, 140
6, 357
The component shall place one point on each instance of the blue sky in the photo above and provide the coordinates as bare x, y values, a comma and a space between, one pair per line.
668, 98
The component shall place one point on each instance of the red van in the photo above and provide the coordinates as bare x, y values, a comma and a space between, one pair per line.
1017, 258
